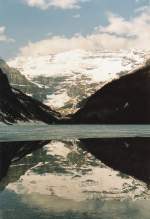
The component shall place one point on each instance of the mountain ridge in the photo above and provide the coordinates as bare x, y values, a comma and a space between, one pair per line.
17, 106
72, 76
122, 101
115, 103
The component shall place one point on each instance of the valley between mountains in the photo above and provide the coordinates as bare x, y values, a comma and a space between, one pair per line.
100, 88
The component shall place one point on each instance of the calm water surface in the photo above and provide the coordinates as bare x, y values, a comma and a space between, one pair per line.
105, 174
45, 132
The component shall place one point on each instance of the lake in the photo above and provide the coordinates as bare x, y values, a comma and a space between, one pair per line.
46, 132
74, 172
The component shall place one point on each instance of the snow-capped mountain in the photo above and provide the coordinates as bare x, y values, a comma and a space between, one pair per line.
69, 77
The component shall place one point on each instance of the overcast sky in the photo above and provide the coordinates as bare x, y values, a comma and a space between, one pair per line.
31, 27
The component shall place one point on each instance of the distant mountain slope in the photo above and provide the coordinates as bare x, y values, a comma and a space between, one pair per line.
17, 106
125, 100
19, 81
69, 77
53, 91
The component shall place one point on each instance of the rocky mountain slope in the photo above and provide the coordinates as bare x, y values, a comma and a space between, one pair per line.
67, 78
53, 91
17, 106
20, 81
68, 91
125, 100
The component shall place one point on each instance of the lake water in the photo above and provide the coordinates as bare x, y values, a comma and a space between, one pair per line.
46, 132
75, 172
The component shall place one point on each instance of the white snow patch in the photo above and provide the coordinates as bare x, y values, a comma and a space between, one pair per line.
100, 65
57, 100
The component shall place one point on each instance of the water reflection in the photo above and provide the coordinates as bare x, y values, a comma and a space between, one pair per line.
11, 152
75, 179
128, 155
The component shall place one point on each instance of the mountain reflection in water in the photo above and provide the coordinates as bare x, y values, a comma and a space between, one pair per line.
128, 155
75, 179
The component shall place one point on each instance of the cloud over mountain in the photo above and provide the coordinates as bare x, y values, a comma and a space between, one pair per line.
119, 33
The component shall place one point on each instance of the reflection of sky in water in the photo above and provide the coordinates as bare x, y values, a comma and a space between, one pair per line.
63, 180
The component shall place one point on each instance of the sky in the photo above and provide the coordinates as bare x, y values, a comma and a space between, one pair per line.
41, 27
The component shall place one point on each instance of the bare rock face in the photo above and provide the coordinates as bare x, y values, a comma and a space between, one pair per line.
17, 106
122, 101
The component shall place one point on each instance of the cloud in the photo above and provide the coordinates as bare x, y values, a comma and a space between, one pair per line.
62, 4
135, 32
118, 34
3, 36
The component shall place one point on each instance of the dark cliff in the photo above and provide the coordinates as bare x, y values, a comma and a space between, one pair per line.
122, 101
17, 106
